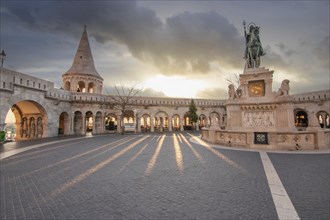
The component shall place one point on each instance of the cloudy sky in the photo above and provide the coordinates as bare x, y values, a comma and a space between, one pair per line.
170, 48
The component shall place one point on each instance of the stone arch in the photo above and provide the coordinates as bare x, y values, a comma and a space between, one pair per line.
187, 124
323, 119
217, 117
67, 85
111, 122
176, 122
89, 121
64, 123
91, 87
31, 119
145, 122
81, 87
301, 119
128, 116
161, 121
202, 121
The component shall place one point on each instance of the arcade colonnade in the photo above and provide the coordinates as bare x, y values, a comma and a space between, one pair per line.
99, 122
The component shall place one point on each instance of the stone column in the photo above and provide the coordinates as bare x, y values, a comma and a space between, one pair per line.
138, 120
170, 123
72, 124
181, 120
94, 131
119, 123
152, 123
83, 124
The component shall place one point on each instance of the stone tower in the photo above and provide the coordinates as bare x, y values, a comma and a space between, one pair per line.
82, 76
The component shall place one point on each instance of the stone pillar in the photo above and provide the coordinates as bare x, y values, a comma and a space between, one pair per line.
152, 122
72, 124
83, 124
170, 123
138, 124
119, 123
94, 131
102, 123
181, 124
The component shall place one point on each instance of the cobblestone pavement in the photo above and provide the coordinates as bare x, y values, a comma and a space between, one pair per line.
155, 176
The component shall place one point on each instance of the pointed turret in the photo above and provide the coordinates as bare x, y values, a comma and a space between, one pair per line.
83, 61
83, 76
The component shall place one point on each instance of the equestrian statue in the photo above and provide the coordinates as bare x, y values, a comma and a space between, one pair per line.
253, 47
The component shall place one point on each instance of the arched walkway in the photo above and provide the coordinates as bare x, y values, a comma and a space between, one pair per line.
161, 121
31, 120
145, 122
301, 119
110, 122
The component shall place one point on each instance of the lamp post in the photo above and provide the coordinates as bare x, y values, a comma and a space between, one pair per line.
2, 57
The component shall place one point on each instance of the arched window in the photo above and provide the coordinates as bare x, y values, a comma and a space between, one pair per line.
67, 86
301, 119
81, 87
91, 86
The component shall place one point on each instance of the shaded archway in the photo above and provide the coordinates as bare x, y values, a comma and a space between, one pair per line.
176, 122
215, 115
110, 122
89, 121
202, 121
323, 119
91, 87
31, 120
67, 86
187, 123
145, 123
81, 86
301, 119
161, 121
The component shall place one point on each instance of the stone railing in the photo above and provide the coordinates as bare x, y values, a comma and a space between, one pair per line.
295, 140
59, 94
10, 78
312, 96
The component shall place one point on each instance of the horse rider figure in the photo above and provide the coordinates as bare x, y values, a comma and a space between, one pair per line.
253, 47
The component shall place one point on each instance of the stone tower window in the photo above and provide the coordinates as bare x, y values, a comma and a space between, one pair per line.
301, 119
67, 85
81, 87
91, 87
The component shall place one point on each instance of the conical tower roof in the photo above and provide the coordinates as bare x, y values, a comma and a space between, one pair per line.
83, 62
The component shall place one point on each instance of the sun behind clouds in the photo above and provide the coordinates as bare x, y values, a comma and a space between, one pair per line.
175, 86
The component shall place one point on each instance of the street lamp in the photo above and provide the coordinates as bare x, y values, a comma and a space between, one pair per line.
2, 57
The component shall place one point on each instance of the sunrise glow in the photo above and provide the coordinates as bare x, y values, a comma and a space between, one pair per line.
175, 86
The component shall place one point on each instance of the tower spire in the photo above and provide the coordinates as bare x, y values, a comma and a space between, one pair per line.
83, 62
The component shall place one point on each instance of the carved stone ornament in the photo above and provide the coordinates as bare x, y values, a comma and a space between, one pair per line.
258, 119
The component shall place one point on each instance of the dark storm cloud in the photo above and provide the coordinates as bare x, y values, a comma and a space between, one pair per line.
285, 49
321, 52
184, 43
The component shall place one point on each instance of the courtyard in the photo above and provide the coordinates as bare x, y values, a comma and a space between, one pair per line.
170, 175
